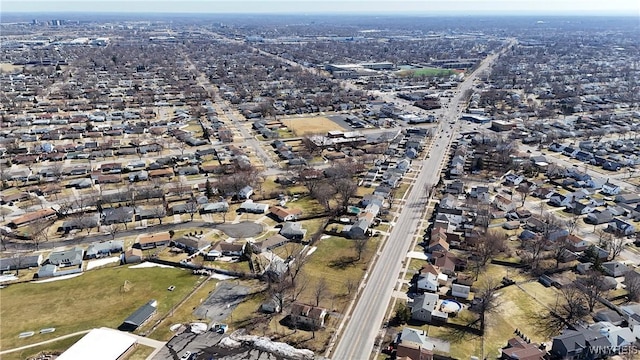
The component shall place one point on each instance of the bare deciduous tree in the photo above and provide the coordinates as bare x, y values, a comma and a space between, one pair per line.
359, 245
592, 288
487, 299
616, 245
320, 291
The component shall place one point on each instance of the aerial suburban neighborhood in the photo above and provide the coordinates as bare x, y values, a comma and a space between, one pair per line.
343, 187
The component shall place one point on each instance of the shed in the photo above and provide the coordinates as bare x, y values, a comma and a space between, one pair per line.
139, 317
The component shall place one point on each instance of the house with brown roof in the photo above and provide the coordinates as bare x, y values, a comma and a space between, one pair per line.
518, 349
154, 240
307, 316
577, 244
448, 262
438, 241
28, 218
132, 256
166, 172
285, 214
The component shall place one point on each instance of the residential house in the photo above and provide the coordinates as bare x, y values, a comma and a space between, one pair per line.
270, 306
448, 262
627, 198
575, 344
620, 226
106, 248
132, 256
599, 217
285, 214
427, 282
438, 240
560, 200
503, 203
615, 268
30, 217
618, 337
65, 258
118, 215
610, 189
519, 349
216, 207
191, 244
254, 208
228, 249
20, 262
79, 223
577, 244
307, 316
424, 308
359, 229
270, 243
413, 344
608, 315
293, 231
513, 179
154, 240
245, 192
579, 208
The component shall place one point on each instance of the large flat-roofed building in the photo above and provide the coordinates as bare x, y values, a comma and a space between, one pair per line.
101, 344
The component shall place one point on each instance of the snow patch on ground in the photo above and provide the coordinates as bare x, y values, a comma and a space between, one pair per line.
277, 348
198, 328
312, 250
4, 278
64, 277
148, 265
222, 277
102, 262
417, 255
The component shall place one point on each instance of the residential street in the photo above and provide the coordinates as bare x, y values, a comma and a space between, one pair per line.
357, 341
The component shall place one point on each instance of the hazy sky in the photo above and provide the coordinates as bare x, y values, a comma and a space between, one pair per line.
422, 7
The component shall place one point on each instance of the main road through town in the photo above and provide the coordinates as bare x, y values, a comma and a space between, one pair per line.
363, 324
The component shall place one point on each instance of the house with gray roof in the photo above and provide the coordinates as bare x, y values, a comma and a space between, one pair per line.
20, 262
293, 231
424, 308
216, 207
97, 250
254, 208
64, 258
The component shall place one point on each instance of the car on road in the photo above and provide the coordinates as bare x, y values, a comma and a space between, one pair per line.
186, 356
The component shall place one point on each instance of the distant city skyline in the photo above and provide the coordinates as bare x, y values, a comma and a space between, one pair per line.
423, 7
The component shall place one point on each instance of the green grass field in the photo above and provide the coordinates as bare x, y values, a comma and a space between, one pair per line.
428, 72
91, 300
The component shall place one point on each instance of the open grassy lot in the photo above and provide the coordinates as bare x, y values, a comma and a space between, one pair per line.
429, 72
96, 298
311, 125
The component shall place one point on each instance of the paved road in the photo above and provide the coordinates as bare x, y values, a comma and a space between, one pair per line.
357, 341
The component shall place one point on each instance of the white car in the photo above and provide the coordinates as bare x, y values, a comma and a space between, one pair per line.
186, 356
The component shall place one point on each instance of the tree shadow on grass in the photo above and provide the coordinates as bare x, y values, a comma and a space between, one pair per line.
343, 262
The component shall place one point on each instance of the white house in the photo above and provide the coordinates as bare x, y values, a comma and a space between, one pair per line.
428, 282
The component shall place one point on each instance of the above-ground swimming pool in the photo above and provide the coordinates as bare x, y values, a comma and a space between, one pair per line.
450, 306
